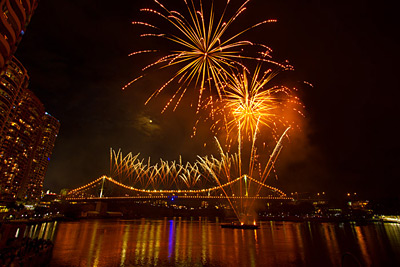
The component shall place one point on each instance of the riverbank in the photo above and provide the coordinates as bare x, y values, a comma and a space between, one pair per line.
319, 219
358, 221
26, 252
26, 242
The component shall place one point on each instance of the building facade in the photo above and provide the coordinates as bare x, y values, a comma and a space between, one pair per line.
15, 16
21, 137
27, 136
27, 132
12, 83
41, 157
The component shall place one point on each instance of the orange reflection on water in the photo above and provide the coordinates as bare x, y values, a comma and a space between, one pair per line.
124, 244
331, 243
363, 246
179, 242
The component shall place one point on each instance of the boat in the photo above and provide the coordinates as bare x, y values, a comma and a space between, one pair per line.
239, 226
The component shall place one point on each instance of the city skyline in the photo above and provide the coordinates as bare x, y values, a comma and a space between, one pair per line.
78, 65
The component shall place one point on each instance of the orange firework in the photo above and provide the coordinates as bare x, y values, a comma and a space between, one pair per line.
248, 103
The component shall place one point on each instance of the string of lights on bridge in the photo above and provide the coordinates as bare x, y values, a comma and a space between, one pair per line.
96, 182
167, 197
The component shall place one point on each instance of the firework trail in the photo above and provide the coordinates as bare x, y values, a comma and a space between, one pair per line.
230, 165
270, 164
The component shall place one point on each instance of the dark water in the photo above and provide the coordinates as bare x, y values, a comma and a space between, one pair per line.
180, 242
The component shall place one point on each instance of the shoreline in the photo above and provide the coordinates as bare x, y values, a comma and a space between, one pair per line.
224, 220
381, 219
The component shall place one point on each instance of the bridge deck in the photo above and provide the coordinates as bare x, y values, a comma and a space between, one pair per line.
71, 199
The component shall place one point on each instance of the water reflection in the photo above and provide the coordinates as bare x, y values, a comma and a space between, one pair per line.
45, 230
180, 242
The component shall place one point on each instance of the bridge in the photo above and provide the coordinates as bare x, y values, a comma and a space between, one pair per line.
243, 187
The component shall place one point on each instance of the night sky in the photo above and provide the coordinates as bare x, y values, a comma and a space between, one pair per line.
76, 52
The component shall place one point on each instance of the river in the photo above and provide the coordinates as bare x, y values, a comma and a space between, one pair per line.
186, 242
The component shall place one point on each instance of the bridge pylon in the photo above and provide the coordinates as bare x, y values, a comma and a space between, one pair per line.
102, 186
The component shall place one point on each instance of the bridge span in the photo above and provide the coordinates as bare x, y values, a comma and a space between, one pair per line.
242, 188
159, 197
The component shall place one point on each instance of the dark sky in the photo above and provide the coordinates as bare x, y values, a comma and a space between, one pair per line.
76, 52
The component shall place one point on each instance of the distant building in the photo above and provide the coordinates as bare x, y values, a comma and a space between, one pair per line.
41, 158
27, 136
15, 16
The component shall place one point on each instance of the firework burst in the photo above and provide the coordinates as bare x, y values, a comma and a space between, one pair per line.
250, 102
205, 53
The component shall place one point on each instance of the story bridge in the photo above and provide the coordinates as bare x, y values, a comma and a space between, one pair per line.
242, 188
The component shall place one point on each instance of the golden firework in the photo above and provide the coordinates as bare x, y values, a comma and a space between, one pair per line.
248, 103
205, 55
